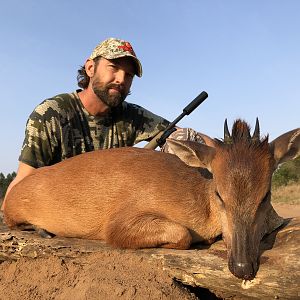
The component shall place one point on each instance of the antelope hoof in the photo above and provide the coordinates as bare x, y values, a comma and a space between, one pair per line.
44, 233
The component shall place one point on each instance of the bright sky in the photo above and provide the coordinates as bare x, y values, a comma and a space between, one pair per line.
244, 54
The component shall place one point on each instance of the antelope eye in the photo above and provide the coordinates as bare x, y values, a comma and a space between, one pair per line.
219, 198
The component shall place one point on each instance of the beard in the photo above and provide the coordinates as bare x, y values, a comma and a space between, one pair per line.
102, 92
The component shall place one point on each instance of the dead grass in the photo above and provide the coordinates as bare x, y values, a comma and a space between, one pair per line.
289, 194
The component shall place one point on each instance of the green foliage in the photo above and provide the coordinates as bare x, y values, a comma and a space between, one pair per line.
287, 173
5, 181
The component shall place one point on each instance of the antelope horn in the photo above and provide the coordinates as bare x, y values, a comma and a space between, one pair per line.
256, 134
227, 137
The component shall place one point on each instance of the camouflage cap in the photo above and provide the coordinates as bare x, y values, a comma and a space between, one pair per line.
113, 48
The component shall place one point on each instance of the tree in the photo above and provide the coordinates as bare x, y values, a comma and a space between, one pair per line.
287, 173
5, 181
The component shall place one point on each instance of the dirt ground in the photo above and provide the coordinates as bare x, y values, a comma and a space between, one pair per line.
98, 276
287, 210
95, 276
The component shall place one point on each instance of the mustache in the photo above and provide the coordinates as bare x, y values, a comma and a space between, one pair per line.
118, 87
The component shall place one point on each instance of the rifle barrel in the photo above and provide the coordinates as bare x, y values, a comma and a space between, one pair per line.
186, 111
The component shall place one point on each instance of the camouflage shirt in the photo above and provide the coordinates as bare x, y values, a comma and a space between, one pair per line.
60, 127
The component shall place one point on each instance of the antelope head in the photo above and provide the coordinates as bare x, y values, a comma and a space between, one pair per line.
242, 166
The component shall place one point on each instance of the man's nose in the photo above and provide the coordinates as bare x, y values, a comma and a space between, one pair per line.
120, 76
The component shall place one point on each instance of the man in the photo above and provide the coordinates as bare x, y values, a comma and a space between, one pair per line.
96, 117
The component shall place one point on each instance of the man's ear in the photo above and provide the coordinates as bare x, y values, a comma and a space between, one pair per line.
90, 67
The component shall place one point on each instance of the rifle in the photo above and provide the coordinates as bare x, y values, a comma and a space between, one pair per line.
161, 137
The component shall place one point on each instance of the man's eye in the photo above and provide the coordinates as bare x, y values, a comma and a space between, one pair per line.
114, 67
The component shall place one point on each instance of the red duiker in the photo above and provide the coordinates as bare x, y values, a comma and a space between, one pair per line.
138, 198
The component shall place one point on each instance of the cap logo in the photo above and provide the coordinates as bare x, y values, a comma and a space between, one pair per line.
127, 47
113, 48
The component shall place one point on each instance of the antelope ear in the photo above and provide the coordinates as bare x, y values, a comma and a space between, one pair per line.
286, 146
207, 140
193, 154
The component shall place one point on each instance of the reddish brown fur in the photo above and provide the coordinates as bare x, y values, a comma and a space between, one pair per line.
87, 204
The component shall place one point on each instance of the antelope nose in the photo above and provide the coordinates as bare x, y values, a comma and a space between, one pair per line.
244, 270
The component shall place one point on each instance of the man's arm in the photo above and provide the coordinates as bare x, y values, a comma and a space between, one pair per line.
23, 171
146, 124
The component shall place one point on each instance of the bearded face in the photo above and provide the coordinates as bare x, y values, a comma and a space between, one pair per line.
112, 80
111, 94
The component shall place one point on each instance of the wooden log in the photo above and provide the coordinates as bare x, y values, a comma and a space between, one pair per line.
203, 266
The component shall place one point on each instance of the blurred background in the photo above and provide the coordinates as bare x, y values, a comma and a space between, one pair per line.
244, 54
